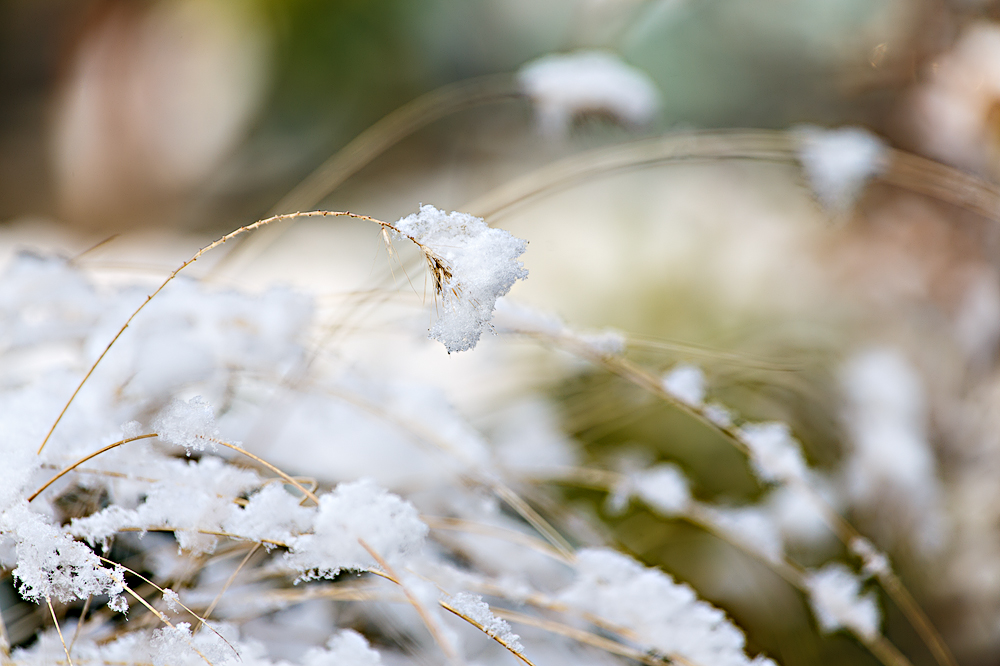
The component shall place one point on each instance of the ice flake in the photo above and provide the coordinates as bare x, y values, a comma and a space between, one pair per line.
686, 382
838, 162
836, 600
188, 424
472, 265
563, 86
774, 454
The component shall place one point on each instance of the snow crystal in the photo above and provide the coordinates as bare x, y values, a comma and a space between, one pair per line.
473, 607
472, 266
666, 616
664, 488
686, 382
563, 86
187, 424
354, 512
835, 597
839, 162
774, 454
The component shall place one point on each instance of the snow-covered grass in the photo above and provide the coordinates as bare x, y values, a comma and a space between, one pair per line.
198, 475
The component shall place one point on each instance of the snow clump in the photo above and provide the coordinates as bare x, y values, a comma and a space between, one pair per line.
668, 617
564, 86
838, 162
836, 600
775, 455
473, 607
472, 265
686, 382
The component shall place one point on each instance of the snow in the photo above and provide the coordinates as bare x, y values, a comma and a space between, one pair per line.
836, 599
664, 488
686, 382
189, 424
751, 527
472, 265
890, 462
563, 86
775, 455
839, 162
666, 616
352, 513
473, 607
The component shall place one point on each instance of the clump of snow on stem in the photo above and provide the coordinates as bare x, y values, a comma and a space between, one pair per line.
189, 424
664, 615
775, 455
839, 162
474, 608
686, 382
752, 528
873, 561
891, 463
345, 648
664, 488
472, 265
563, 86
836, 599
354, 513
50, 564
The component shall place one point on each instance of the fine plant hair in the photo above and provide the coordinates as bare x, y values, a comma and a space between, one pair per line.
179, 525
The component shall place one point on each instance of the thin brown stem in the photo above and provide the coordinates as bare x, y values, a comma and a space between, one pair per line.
55, 621
197, 255
85, 459
229, 581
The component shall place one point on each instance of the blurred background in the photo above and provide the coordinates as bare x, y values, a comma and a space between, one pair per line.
161, 124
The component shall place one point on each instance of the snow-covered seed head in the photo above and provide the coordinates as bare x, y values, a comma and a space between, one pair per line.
471, 265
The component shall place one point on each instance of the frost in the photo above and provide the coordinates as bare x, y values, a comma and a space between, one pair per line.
355, 512
563, 86
472, 265
473, 607
686, 382
774, 454
664, 488
189, 424
839, 162
836, 600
